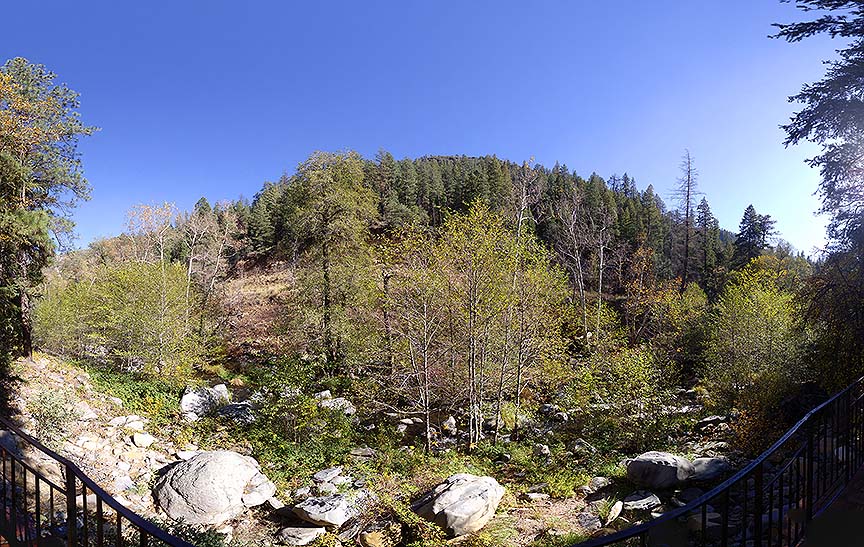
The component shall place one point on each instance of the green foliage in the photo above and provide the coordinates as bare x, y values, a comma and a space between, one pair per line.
52, 411
420, 532
193, 534
499, 532
136, 316
753, 349
621, 395
564, 540
151, 397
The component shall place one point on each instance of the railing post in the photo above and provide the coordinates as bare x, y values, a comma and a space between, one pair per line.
847, 450
758, 503
808, 479
71, 509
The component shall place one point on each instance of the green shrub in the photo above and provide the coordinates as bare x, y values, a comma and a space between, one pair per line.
52, 412
143, 395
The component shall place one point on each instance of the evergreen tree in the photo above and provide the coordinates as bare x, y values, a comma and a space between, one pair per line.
753, 233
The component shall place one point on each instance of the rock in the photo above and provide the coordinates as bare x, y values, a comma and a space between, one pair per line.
300, 535
186, 454
582, 448
143, 440
326, 475
401, 428
598, 483
614, 512
641, 501
541, 450
448, 426
709, 421
386, 535
9, 441
326, 488
462, 504
333, 511
535, 496
201, 401
212, 487
123, 483
708, 469
589, 521
321, 395
659, 470
362, 454
547, 409
275, 503
239, 413
339, 404
686, 496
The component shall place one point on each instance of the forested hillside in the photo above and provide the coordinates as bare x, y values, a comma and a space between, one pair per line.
371, 329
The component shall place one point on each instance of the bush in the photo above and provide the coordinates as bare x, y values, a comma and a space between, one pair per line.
52, 411
621, 395
142, 395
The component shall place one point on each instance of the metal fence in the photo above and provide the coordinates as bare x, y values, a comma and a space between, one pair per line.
47, 501
772, 500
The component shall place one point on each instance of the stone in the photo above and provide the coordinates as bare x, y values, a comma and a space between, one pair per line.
135, 425
186, 454
123, 483
212, 487
381, 535
541, 450
659, 470
462, 504
143, 440
339, 404
275, 503
198, 402
598, 483
589, 522
326, 475
709, 469
326, 488
710, 420
448, 426
614, 512
321, 395
686, 496
9, 442
300, 535
535, 496
239, 413
363, 453
641, 500
583, 448
333, 511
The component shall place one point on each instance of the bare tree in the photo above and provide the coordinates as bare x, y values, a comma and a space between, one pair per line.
685, 194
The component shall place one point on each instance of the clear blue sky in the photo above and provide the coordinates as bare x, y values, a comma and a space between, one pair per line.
213, 98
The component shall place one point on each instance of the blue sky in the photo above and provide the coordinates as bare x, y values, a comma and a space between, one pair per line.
213, 98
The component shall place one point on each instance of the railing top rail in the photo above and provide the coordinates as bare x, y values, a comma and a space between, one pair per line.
135, 519
638, 530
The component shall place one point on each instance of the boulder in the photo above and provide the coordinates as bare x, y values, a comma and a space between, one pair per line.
709, 469
326, 475
239, 413
448, 426
462, 504
198, 402
659, 470
212, 487
339, 404
641, 501
333, 511
589, 522
300, 535
143, 440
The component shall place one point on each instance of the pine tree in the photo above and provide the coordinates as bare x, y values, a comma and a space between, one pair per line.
753, 233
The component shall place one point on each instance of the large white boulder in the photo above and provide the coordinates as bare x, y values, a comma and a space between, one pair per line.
198, 402
335, 510
659, 470
462, 504
212, 487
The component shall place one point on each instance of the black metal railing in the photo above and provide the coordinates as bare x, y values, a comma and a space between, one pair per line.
771, 501
47, 501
